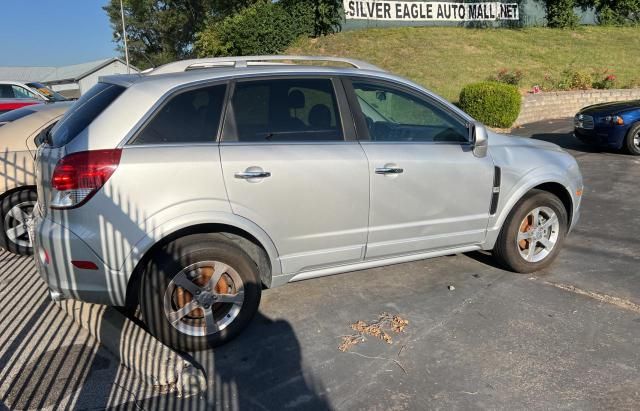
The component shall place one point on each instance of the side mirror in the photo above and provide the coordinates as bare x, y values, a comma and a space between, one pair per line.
479, 139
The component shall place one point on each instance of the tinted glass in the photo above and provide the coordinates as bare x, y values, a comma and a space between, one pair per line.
285, 110
6, 91
15, 115
83, 112
189, 117
394, 115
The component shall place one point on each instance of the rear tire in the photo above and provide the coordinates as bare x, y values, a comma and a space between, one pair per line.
183, 288
632, 141
15, 210
533, 233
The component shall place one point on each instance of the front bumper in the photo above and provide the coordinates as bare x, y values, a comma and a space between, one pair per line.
55, 247
610, 137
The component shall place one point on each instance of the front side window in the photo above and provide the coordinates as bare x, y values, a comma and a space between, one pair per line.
21, 92
395, 115
189, 117
285, 111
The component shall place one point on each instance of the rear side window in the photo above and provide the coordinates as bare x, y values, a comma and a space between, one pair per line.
284, 111
83, 112
15, 115
189, 117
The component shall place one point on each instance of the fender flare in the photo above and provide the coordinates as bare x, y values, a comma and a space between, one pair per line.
174, 225
526, 183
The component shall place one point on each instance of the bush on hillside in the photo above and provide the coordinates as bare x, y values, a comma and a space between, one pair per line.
616, 12
264, 28
513, 77
326, 15
561, 13
494, 104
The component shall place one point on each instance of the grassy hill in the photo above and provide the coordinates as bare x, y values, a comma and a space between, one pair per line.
444, 59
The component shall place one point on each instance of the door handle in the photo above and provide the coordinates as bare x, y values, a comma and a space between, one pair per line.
389, 170
252, 174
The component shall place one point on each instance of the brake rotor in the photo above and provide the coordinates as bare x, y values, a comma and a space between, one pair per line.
524, 227
183, 297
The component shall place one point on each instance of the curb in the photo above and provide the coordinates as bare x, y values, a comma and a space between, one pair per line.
136, 349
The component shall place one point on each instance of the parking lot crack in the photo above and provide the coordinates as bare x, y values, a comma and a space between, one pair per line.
605, 298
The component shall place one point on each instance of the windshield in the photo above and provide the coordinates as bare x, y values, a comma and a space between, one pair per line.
83, 112
47, 92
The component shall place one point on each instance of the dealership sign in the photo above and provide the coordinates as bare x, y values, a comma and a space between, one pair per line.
429, 10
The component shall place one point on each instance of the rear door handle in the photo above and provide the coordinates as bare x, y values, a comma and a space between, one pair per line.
252, 174
389, 170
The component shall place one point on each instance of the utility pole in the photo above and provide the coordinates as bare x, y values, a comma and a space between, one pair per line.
124, 36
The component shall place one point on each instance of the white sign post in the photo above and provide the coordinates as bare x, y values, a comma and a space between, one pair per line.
429, 11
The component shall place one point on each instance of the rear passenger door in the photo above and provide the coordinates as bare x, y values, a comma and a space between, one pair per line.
292, 165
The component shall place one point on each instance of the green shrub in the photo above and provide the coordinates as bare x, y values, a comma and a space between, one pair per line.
513, 77
616, 12
326, 15
494, 104
263, 28
604, 80
561, 13
571, 79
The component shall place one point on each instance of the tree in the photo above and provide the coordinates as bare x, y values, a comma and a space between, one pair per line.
615, 12
561, 13
160, 31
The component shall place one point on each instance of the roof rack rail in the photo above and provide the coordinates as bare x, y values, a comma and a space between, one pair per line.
246, 61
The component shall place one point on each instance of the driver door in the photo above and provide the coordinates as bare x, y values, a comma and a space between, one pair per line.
428, 190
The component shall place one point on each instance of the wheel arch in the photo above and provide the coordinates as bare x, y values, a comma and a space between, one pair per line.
260, 250
550, 185
16, 189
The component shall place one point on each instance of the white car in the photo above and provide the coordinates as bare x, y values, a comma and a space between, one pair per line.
33, 90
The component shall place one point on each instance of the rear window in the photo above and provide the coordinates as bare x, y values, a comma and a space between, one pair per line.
189, 117
83, 112
15, 115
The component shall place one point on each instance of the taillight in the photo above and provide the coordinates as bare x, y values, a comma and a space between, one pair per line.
78, 176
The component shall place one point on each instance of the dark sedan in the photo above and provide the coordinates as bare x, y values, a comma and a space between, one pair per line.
611, 125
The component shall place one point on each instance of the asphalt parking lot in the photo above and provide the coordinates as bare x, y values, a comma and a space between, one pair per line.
564, 338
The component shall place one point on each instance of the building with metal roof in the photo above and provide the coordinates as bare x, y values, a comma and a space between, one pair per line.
72, 80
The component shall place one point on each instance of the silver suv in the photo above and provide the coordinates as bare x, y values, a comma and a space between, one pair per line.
189, 188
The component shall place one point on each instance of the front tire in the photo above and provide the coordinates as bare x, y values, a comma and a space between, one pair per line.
533, 233
199, 292
632, 141
15, 210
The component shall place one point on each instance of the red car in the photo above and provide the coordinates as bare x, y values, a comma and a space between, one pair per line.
8, 104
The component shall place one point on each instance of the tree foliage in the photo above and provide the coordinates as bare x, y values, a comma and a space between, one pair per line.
561, 13
615, 12
160, 31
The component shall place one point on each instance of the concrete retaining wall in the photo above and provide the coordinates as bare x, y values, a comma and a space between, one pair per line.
544, 106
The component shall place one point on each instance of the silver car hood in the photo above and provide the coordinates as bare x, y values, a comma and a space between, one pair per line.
508, 140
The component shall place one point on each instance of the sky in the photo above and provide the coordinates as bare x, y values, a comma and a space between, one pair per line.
54, 32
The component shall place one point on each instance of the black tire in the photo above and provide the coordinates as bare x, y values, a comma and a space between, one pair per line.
507, 249
629, 141
167, 262
24, 199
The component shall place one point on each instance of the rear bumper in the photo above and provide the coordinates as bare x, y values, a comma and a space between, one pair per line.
55, 247
611, 137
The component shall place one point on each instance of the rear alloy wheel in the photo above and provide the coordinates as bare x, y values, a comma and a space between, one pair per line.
15, 212
533, 233
632, 141
199, 291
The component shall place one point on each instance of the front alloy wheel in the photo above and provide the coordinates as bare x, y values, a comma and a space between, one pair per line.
538, 234
533, 233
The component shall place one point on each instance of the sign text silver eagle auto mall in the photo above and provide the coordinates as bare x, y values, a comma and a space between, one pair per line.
429, 10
